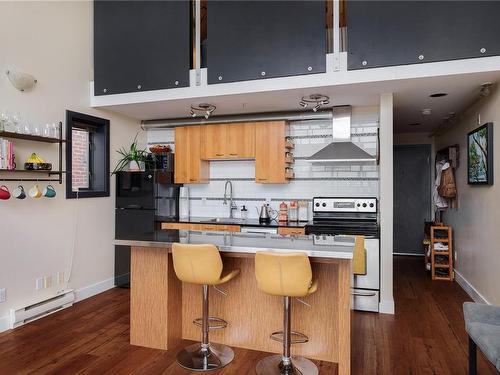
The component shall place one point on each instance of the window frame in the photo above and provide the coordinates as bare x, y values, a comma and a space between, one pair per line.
97, 127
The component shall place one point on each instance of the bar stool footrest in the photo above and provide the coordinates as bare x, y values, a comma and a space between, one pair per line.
213, 323
296, 337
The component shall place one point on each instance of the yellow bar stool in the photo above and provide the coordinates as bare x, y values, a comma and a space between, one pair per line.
287, 275
202, 265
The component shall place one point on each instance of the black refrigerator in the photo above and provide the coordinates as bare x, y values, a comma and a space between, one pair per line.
143, 200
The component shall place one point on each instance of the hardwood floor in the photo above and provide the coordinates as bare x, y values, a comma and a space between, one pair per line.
425, 336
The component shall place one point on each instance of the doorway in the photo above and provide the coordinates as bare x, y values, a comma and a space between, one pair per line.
412, 197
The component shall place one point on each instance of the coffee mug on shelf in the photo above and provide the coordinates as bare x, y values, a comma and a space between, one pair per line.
19, 192
4, 192
35, 192
49, 192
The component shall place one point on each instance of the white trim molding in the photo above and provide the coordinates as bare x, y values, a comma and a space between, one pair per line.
386, 307
94, 289
469, 289
4, 323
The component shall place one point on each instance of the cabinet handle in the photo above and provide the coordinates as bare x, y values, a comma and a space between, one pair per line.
262, 179
219, 154
233, 154
192, 179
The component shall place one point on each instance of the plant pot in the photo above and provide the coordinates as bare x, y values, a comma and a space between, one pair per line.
135, 166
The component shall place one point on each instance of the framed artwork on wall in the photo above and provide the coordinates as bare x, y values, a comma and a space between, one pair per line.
480, 155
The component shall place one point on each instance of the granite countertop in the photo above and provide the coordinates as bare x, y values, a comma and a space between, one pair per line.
338, 247
242, 222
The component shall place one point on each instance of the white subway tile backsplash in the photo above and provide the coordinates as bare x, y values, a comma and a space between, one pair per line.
354, 179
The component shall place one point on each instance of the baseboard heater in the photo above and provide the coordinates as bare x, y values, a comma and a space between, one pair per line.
26, 314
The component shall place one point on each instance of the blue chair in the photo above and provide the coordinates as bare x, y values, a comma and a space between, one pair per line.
482, 323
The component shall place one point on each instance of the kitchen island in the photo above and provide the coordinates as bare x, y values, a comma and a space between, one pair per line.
163, 308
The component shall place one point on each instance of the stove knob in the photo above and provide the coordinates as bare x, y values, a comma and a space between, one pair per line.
364, 204
317, 204
324, 204
359, 205
371, 205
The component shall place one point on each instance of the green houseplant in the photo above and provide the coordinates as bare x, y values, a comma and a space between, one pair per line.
133, 157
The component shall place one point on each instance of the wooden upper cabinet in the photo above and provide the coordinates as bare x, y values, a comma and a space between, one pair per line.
189, 166
214, 139
228, 141
241, 141
270, 152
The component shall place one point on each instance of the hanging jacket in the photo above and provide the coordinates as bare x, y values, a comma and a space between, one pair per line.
447, 188
439, 201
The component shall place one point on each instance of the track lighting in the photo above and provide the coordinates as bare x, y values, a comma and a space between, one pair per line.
204, 109
318, 100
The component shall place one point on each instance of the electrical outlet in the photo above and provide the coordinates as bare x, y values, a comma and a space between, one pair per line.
47, 281
39, 283
455, 255
3, 295
60, 277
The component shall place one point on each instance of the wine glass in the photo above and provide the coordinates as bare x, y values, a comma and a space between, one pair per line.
55, 130
15, 121
4, 119
35, 130
47, 131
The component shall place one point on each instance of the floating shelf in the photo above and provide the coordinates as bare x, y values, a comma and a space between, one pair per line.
37, 138
30, 137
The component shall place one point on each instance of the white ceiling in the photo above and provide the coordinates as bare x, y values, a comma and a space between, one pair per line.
411, 95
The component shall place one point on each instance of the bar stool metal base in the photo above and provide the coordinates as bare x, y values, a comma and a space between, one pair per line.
194, 359
273, 365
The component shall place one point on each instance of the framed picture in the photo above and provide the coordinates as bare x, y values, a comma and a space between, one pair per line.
480, 155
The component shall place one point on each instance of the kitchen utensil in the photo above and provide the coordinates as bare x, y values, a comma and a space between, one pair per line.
49, 192
265, 213
35, 192
19, 192
4, 192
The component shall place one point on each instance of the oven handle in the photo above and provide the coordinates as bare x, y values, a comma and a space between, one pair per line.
361, 294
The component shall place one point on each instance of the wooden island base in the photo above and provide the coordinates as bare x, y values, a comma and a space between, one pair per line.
163, 309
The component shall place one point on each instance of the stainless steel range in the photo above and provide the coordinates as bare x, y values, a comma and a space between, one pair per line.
353, 216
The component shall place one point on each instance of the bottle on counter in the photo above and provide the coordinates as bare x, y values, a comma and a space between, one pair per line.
244, 213
303, 211
293, 211
283, 213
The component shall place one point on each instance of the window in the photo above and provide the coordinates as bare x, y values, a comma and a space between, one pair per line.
87, 156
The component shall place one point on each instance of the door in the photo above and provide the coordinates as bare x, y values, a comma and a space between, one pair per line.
412, 196
214, 141
241, 141
189, 168
270, 152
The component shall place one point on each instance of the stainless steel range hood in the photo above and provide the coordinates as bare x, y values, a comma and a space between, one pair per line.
341, 149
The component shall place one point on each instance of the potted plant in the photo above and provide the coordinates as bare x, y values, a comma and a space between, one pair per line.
134, 158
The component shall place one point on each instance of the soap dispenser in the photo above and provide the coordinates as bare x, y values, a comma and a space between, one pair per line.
244, 213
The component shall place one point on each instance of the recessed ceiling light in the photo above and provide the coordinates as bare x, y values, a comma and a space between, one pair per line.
426, 111
438, 94
415, 124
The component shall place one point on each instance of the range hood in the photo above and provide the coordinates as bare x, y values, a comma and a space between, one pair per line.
341, 149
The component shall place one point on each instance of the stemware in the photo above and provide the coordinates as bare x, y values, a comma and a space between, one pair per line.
47, 131
4, 119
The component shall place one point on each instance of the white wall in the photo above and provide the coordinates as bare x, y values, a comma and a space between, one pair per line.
52, 41
475, 221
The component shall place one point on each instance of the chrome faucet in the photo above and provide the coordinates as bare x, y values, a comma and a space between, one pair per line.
232, 206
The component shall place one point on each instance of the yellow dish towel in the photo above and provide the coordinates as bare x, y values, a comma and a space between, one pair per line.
359, 256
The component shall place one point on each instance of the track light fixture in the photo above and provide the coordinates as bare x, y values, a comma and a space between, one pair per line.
203, 109
317, 100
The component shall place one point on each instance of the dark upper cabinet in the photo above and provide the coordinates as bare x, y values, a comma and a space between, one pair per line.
141, 45
385, 33
264, 39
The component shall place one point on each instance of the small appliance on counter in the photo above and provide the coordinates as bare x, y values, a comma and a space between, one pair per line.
353, 216
142, 200
184, 203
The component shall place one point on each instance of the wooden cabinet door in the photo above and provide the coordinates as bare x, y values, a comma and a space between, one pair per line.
270, 152
214, 139
189, 168
241, 141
